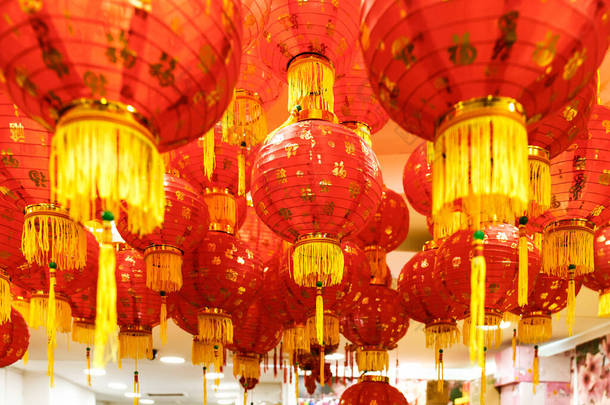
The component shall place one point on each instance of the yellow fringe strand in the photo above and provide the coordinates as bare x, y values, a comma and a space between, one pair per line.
49, 235
514, 345
480, 162
372, 360
535, 370
105, 310
209, 154
101, 151
440, 367
5, 298
571, 305
205, 387
89, 367
441, 334
535, 328
247, 366
483, 377
295, 340
83, 332
222, 209
296, 383
539, 185
322, 367
320, 317
136, 345
477, 300
317, 259
207, 354
454, 221
163, 318
564, 244
490, 330
523, 263
136, 388
241, 165
163, 268
39, 313
244, 120
26, 357
310, 83
330, 329
604, 303
215, 327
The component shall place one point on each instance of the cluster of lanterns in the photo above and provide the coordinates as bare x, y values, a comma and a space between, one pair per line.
151, 114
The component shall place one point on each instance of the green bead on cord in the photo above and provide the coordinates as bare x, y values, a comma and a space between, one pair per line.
107, 216
480, 235
523, 220
52, 265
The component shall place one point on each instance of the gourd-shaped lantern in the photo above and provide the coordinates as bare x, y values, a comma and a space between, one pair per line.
372, 388
599, 280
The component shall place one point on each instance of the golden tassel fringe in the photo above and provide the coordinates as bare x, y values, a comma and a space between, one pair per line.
514, 346
372, 360
454, 221
241, 172
49, 235
317, 259
477, 301
535, 370
163, 268
535, 328
209, 153
442, 335
23, 307
83, 332
163, 319
6, 298
523, 264
247, 366
480, 161
322, 367
539, 186
222, 209
490, 330
215, 327
561, 247
205, 387
320, 317
39, 305
295, 341
96, 153
604, 303
207, 354
483, 377
330, 329
244, 120
510, 317
311, 79
136, 345
571, 305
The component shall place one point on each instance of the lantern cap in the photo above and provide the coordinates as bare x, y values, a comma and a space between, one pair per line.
479, 235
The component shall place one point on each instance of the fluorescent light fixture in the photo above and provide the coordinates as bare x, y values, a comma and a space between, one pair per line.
132, 395
172, 360
226, 394
503, 325
226, 401
98, 372
214, 376
228, 386
147, 401
117, 385
335, 356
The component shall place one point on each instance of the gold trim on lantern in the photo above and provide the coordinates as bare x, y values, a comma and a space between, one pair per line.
566, 242
83, 331
361, 129
540, 181
535, 327
374, 378
215, 326
247, 365
311, 114
311, 78
538, 153
39, 308
476, 107
441, 333
492, 333
136, 342
163, 268
317, 258
222, 208
372, 359
330, 329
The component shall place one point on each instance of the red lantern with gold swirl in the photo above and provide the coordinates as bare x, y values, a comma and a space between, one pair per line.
48, 232
224, 280
457, 72
384, 232
14, 339
375, 325
128, 89
372, 388
11, 223
599, 280
185, 222
417, 180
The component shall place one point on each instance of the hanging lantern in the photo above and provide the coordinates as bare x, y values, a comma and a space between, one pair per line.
185, 222
138, 308
21, 301
255, 334
129, 90
254, 19
457, 72
82, 304
14, 341
49, 235
599, 280
383, 233
372, 388
11, 223
417, 180
225, 279
265, 244
497, 284
376, 324
580, 192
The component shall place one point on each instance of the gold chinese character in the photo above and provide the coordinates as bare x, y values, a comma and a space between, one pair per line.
339, 170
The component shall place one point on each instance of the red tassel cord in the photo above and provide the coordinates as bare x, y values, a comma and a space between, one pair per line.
285, 372
275, 362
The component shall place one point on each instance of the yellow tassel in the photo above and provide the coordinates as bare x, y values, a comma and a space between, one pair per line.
209, 154
535, 328
295, 341
83, 332
5, 298
477, 298
317, 259
523, 262
39, 309
163, 268
320, 316
247, 366
322, 366
535, 370
245, 397
514, 344
492, 333
441, 371
568, 242
105, 311
244, 119
215, 326
103, 154
50, 360
372, 360
136, 344
480, 162
51, 322
330, 329
26, 357
136, 388
207, 354
483, 377
205, 388
222, 209
442, 334
296, 382
604, 303
49, 235
163, 320
540, 182
571, 306
310, 83
241, 165
89, 366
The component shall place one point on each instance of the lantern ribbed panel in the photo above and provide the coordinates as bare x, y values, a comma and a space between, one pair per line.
14, 340
255, 332
365, 392
549, 296
417, 180
259, 237
183, 313
255, 14
257, 78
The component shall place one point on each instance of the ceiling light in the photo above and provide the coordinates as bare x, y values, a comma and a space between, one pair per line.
132, 395
94, 371
226, 401
147, 401
226, 395
335, 356
117, 386
172, 360
228, 386
214, 376
504, 325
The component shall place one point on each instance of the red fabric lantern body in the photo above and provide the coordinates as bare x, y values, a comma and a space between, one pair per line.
456, 72
11, 223
138, 308
383, 233
48, 233
82, 304
417, 180
376, 324
14, 339
428, 301
128, 89
599, 280
185, 222
255, 334
259, 237
580, 187
372, 388
255, 16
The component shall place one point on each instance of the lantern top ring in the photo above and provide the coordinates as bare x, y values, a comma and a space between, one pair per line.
441, 321
83, 322
317, 237
247, 94
314, 114
307, 57
535, 315
362, 129
214, 312
45, 209
374, 378
480, 107
168, 249
573, 223
538, 153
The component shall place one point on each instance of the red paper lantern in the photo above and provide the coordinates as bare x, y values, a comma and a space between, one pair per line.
580, 190
385, 232
14, 339
259, 237
255, 16
82, 304
427, 299
314, 183
21, 301
599, 280
11, 223
456, 72
48, 232
138, 308
376, 324
372, 388
417, 180
186, 221
255, 333
258, 80
130, 88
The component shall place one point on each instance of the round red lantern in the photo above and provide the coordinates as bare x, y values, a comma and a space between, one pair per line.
457, 72
82, 304
384, 232
265, 244
314, 183
11, 223
255, 16
376, 324
14, 339
21, 301
417, 180
185, 222
48, 232
224, 280
599, 280
128, 89
372, 388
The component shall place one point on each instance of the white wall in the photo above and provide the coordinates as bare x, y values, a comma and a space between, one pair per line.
66, 393
11, 386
